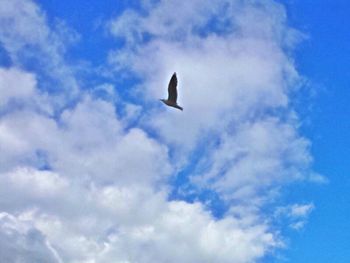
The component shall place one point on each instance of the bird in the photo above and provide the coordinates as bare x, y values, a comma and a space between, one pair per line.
172, 93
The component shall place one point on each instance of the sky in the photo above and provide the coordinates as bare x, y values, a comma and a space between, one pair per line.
94, 168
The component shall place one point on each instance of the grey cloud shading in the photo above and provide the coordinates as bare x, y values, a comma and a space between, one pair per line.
21, 242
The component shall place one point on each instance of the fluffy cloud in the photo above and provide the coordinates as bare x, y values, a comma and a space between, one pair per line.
22, 242
97, 193
15, 84
225, 76
235, 83
90, 180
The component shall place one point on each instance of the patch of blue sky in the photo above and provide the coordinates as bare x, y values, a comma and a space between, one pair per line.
89, 19
5, 60
42, 160
182, 184
218, 24
324, 58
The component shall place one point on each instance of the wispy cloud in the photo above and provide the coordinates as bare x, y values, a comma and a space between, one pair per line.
32, 44
296, 214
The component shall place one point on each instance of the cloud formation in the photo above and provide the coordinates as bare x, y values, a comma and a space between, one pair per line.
236, 79
91, 181
29, 42
21, 242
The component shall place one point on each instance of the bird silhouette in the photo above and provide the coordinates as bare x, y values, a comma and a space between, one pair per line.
172, 93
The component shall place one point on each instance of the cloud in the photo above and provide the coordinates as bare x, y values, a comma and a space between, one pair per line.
42, 183
92, 180
15, 84
21, 242
258, 155
150, 235
224, 78
104, 194
296, 214
196, 238
236, 78
31, 43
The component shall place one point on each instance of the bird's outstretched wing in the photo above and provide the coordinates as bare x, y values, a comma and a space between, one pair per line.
172, 92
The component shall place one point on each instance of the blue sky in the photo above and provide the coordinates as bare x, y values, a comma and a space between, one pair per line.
324, 58
93, 168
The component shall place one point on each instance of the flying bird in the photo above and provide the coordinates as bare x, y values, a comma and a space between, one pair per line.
172, 93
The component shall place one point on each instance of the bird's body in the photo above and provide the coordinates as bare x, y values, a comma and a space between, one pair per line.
172, 93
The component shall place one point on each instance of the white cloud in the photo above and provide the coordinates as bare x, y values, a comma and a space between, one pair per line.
255, 157
296, 214
234, 84
300, 210
27, 38
22, 242
162, 231
85, 219
87, 141
185, 233
224, 78
42, 183
15, 84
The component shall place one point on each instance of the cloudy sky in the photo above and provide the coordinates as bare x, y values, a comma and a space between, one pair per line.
94, 168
